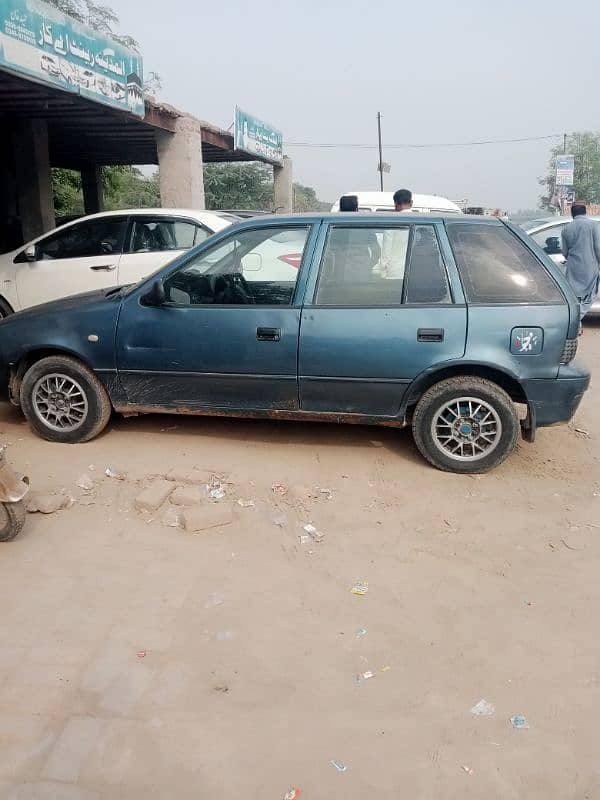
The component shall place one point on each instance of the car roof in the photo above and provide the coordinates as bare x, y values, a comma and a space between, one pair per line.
159, 212
361, 217
551, 221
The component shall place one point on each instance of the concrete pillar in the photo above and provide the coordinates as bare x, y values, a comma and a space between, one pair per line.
180, 166
282, 187
91, 185
34, 186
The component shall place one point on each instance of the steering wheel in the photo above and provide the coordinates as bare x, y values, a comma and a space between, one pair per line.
232, 289
239, 282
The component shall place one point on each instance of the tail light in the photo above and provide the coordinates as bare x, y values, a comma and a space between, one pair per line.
293, 259
569, 351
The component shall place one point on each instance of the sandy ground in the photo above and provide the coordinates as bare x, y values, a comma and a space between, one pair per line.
477, 588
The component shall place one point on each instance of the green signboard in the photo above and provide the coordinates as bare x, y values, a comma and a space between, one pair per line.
257, 138
46, 45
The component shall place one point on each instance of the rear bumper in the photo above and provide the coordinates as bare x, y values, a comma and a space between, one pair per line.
554, 401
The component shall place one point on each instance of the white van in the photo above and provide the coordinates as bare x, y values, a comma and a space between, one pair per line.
384, 201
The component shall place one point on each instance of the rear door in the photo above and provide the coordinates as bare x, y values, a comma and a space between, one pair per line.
155, 239
380, 311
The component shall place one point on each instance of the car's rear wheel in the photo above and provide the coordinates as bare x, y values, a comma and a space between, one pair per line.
64, 401
465, 424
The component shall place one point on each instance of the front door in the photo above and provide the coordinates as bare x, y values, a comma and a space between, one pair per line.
382, 313
227, 335
78, 258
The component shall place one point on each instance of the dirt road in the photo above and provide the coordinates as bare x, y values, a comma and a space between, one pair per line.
143, 661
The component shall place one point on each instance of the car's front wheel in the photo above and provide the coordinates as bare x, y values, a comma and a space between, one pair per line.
64, 401
465, 424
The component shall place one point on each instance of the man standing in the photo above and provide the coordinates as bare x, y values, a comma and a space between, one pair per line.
395, 241
581, 249
403, 200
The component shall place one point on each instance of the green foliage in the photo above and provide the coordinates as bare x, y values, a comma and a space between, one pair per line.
585, 146
127, 187
124, 187
248, 185
66, 187
305, 199
100, 18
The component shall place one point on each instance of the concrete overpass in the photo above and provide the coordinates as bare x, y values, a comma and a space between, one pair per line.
43, 127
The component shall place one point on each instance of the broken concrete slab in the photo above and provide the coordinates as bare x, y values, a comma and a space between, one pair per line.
154, 495
211, 515
188, 495
198, 476
45, 502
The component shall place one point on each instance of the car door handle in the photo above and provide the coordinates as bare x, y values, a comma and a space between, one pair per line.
430, 335
104, 267
268, 334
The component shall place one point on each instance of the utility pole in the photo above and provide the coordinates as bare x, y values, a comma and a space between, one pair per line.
380, 150
564, 144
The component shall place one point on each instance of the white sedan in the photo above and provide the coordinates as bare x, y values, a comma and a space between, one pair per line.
100, 251
547, 233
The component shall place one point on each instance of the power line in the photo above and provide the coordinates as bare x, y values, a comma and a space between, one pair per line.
406, 146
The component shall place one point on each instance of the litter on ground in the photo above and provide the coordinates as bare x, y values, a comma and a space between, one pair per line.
339, 765
519, 721
483, 709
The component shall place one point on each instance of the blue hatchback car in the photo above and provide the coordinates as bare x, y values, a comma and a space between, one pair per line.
442, 323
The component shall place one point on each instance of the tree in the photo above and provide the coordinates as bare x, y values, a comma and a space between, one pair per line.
305, 199
248, 185
66, 188
100, 18
127, 187
585, 146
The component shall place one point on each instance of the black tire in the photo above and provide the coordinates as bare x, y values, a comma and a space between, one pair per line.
433, 402
98, 407
12, 519
5, 309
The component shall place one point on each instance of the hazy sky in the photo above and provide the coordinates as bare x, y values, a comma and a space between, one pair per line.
439, 71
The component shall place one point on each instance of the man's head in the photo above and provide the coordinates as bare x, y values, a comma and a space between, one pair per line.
349, 202
403, 199
578, 209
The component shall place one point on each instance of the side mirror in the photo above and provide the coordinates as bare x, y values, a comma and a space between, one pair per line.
29, 253
252, 262
155, 296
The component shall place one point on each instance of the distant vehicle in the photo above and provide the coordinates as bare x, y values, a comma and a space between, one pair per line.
243, 213
547, 234
98, 251
384, 201
472, 320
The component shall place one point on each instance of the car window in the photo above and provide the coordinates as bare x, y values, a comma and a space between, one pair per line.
156, 234
92, 237
427, 280
363, 266
549, 239
496, 267
253, 267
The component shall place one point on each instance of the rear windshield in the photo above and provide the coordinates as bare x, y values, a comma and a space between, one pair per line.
496, 267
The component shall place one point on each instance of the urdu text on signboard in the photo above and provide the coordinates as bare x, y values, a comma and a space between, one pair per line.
42, 43
257, 138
